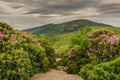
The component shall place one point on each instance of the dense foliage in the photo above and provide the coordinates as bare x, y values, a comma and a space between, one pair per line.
22, 54
103, 71
78, 55
93, 53
92, 46
50, 52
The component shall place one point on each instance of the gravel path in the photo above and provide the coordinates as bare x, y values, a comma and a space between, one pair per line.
55, 75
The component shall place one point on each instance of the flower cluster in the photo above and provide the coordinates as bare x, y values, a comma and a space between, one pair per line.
90, 35
14, 37
103, 43
1, 36
103, 38
113, 39
24, 53
101, 31
19, 69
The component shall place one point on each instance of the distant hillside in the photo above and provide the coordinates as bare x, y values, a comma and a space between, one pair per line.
56, 29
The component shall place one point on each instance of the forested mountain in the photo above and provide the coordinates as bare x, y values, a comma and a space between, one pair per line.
55, 29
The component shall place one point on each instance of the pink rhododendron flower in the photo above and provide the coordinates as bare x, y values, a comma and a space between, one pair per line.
15, 39
102, 31
100, 42
113, 39
19, 69
1, 36
111, 47
90, 35
103, 35
69, 56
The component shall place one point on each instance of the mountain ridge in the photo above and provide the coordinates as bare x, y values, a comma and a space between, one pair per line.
56, 29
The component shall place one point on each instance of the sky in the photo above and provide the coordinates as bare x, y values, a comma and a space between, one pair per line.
23, 14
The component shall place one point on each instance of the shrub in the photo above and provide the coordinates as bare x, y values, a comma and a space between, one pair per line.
92, 46
64, 59
78, 56
103, 71
77, 59
21, 54
104, 44
50, 52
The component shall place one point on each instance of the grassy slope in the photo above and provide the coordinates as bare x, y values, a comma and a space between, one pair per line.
62, 44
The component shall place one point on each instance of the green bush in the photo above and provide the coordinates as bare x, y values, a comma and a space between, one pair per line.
77, 59
50, 52
103, 71
21, 54
78, 56
104, 44
64, 59
92, 46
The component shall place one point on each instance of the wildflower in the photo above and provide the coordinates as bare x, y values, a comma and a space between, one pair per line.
1, 36
19, 69
69, 56
103, 35
101, 31
15, 39
113, 39
100, 42
90, 35
111, 47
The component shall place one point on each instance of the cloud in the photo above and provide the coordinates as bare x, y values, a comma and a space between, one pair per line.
64, 7
36, 12
90, 11
60, 7
110, 1
12, 8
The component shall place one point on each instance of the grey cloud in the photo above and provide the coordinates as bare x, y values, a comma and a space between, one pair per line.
58, 10
66, 7
110, 10
62, 7
12, 8
16, 5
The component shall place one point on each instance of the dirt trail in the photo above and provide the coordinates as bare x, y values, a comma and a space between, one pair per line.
55, 75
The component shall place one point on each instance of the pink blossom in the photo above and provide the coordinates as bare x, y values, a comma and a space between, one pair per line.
102, 31
111, 47
90, 35
19, 69
113, 39
1, 36
15, 39
103, 35
69, 56
100, 42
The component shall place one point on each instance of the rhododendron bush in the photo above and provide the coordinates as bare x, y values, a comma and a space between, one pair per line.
104, 44
93, 45
104, 71
21, 54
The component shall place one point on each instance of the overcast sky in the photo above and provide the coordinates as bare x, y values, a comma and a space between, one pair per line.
23, 14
